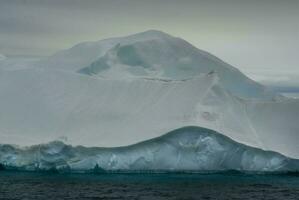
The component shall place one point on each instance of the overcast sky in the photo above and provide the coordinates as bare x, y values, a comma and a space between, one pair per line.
253, 35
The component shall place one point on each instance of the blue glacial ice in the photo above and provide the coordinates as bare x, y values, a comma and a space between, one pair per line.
184, 149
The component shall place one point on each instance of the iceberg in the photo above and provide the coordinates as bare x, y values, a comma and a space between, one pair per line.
184, 149
121, 91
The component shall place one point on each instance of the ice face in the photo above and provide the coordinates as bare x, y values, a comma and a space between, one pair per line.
188, 148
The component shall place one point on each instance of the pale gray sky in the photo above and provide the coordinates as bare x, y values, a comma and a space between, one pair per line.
252, 35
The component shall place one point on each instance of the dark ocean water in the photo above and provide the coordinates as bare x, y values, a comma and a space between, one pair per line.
21, 185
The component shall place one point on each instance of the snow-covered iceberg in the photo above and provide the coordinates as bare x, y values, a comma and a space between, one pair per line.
184, 149
121, 91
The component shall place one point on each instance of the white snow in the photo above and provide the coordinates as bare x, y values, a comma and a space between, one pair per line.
152, 54
43, 105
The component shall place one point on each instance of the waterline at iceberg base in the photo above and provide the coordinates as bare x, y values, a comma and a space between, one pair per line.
189, 149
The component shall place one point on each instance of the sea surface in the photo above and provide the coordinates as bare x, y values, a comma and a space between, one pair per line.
26, 185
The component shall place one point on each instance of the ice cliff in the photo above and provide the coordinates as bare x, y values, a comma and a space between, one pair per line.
184, 149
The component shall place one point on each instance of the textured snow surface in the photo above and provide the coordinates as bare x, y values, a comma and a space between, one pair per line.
188, 148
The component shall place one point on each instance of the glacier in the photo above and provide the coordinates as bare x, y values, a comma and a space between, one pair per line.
185, 149
122, 91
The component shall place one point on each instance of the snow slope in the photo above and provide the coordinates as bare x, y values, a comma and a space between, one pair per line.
43, 105
184, 149
152, 54
98, 94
